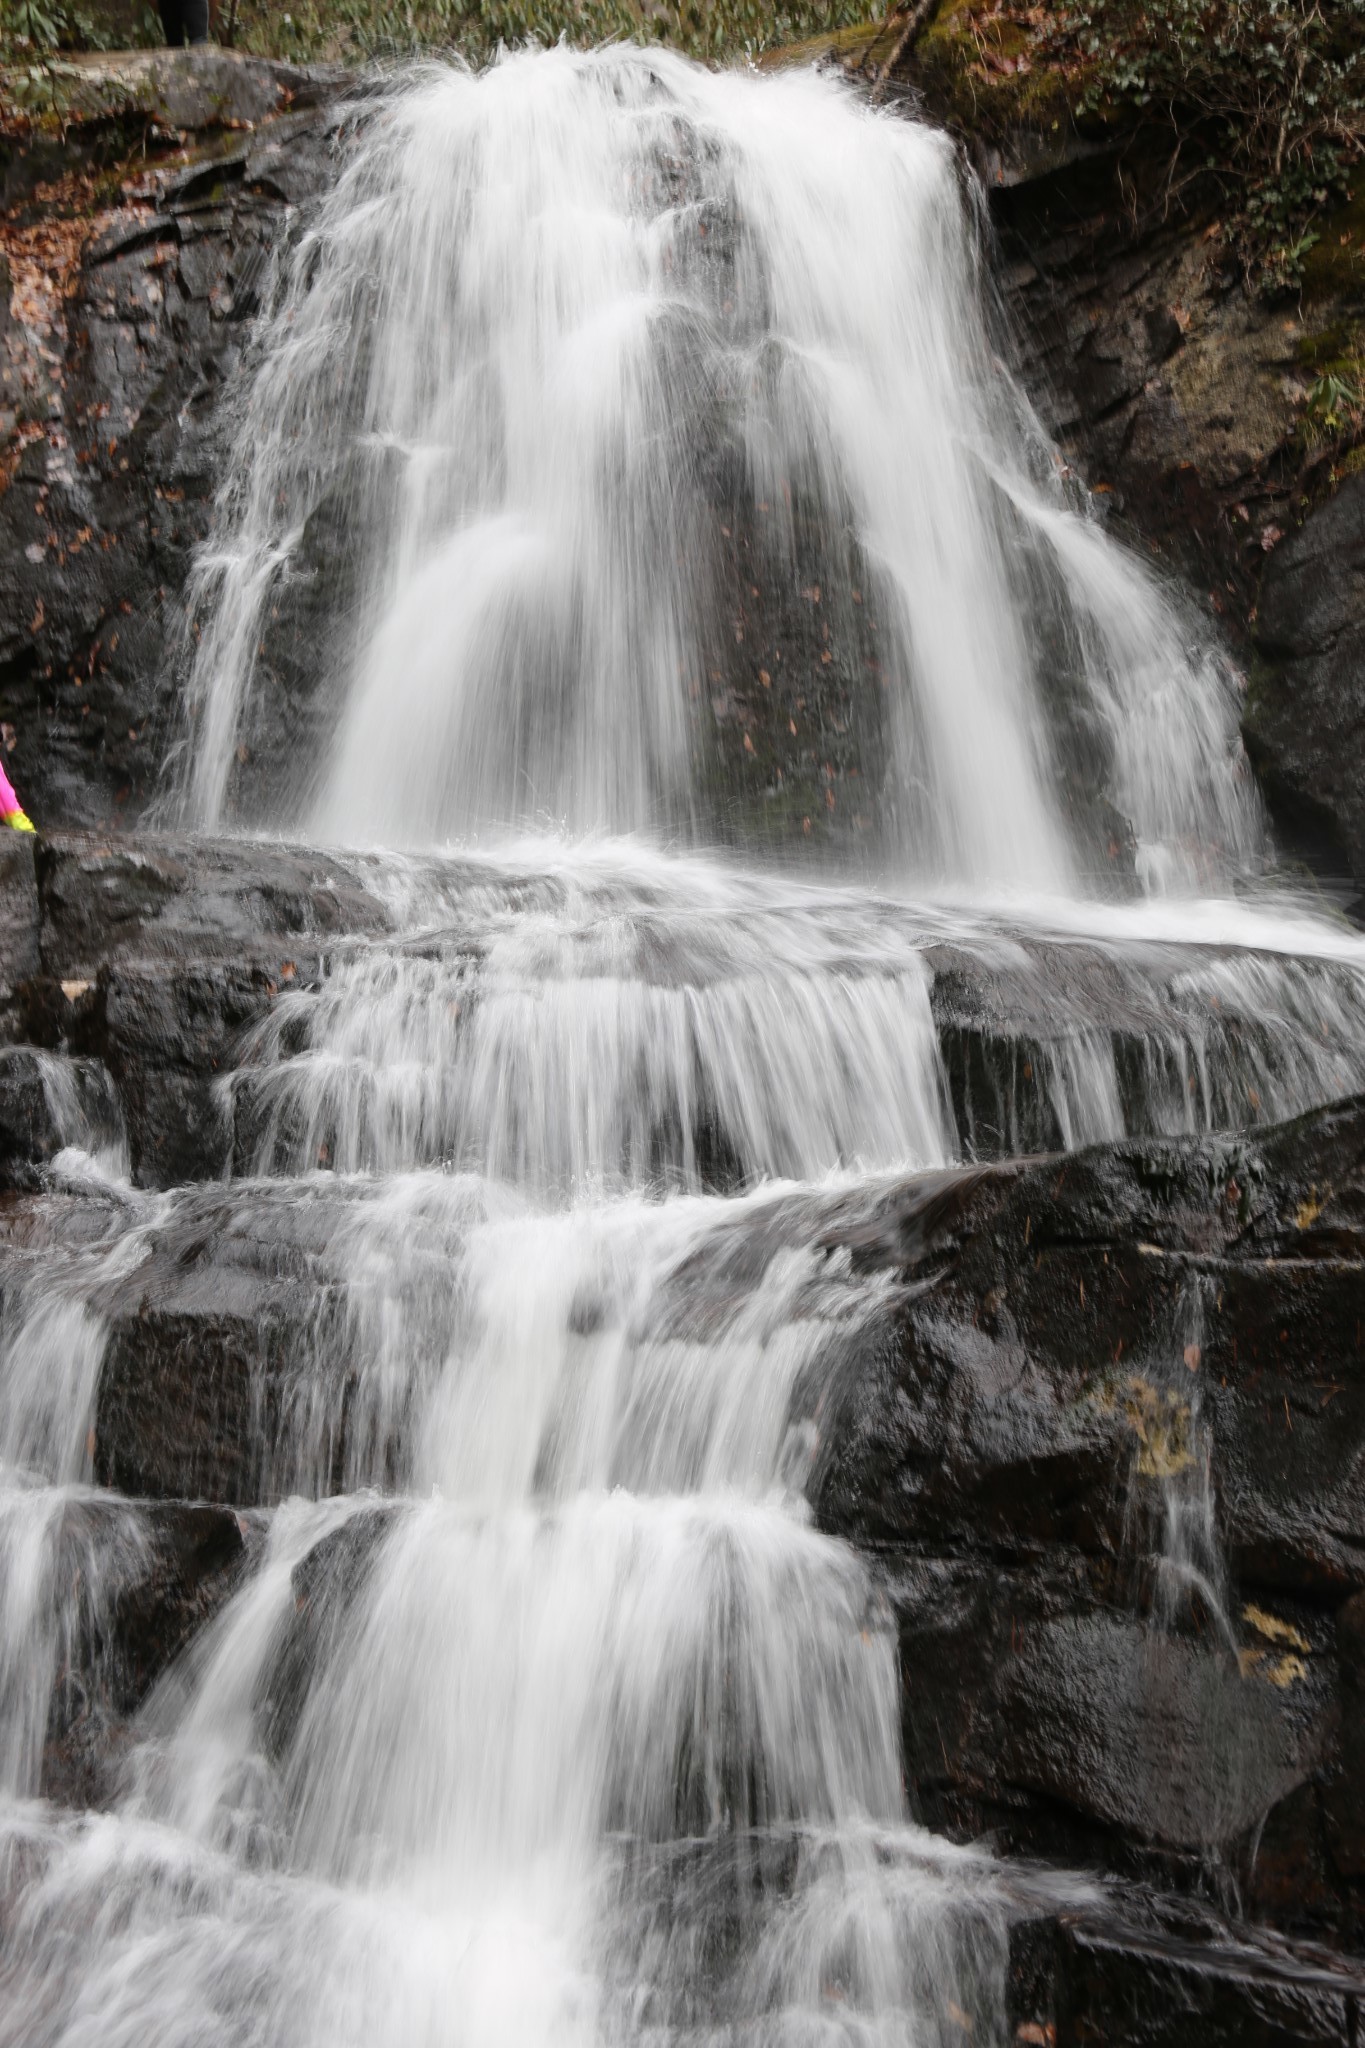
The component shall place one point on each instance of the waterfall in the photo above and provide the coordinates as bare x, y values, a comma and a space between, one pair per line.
626, 393
629, 485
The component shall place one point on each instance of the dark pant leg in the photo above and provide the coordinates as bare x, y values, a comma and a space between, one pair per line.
184, 21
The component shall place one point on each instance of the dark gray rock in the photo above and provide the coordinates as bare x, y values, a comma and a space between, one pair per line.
1130, 1967
1169, 386
197, 89
98, 523
1097, 1351
168, 898
157, 955
1305, 719
144, 1578
228, 1316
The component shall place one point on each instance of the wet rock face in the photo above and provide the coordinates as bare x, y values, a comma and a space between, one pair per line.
1127, 1966
1305, 718
1171, 391
48, 1102
163, 1570
157, 955
1113, 1458
211, 1344
1179, 396
105, 505
152, 958
19, 925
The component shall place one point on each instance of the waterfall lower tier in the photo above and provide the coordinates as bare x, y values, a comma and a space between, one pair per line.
491, 1564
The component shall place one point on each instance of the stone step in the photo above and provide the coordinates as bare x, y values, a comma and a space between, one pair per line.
1099, 1420
177, 964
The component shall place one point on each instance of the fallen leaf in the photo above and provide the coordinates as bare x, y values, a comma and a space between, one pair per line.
1273, 1629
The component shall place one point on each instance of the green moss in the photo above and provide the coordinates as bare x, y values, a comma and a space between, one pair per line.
863, 45
959, 65
1324, 347
1334, 267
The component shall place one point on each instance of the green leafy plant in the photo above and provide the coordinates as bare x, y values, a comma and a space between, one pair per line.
1267, 97
1335, 408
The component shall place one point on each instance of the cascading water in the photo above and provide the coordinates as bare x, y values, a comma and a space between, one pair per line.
571, 338
650, 421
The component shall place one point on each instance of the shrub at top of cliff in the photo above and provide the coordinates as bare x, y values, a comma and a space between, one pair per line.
1267, 97
368, 29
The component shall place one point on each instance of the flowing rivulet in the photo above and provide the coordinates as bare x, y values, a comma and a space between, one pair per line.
596, 1736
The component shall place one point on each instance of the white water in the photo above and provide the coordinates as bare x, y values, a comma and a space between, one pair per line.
573, 1687
547, 1716
542, 315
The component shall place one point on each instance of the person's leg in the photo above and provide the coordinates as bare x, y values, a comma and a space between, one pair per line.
195, 15
173, 28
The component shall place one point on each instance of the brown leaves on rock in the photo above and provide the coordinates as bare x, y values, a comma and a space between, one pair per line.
41, 243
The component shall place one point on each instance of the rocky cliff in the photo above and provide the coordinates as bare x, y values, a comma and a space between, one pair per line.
1105, 1446
139, 248
138, 251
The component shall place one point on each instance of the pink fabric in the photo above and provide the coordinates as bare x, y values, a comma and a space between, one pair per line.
9, 802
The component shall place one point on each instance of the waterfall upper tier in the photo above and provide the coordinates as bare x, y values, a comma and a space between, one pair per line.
645, 428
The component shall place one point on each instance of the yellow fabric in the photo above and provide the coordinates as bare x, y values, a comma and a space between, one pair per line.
18, 821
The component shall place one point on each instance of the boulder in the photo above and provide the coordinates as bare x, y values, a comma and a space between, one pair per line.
231, 1325
157, 955
199, 89
146, 1578
1111, 1457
